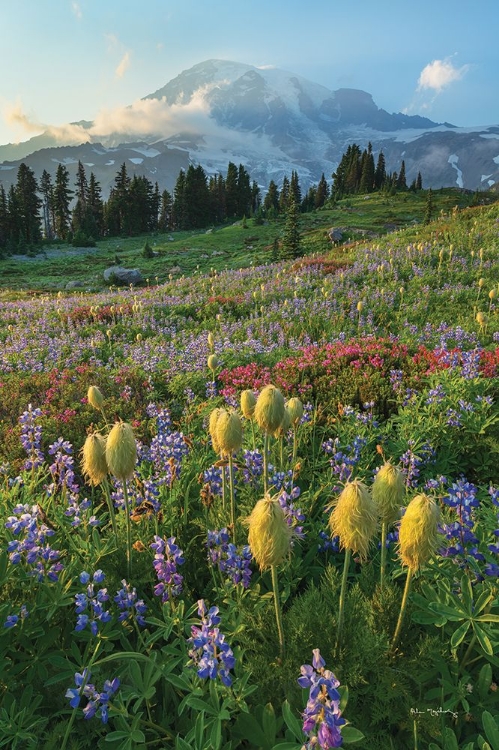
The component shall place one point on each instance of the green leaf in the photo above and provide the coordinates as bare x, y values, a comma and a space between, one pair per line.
482, 744
288, 746
200, 705
451, 613
483, 639
449, 740
491, 729
487, 618
137, 735
459, 634
350, 735
467, 594
269, 723
482, 601
292, 722
484, 681
181, 744
248, 728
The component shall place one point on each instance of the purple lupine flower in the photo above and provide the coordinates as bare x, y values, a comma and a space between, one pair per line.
166, 559
210, 652
130, 605
31, 437
32, 547
96, 701
234, 562
89, 604
322, 716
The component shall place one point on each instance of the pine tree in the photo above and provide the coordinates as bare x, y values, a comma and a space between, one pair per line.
284, 195
196, 198
232, 203
255, 198
165, 212
430, 207
367, 172
271, 200
244, 195
419, 182
380, 172
62, 201
28, 205
322, 193
179, 211
294, 188
47, 191
216, 189
96, 208
401, 179
3, 220
291, 241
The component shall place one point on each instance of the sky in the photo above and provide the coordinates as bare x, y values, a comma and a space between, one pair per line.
62, 61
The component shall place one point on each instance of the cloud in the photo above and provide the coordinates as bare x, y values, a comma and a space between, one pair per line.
123, 66
15, 117
75, 7
439, 74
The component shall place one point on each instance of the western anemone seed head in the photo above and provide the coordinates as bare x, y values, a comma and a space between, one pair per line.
481, 282
94, 465
229, 432
480, 318
212, 428
269, 535
492, 294
418, 532
212, 362
354, 518
95, 397
121, 451
360, 306
211, 341
388, 492
285, 424
295, 408
269, 409
248, 402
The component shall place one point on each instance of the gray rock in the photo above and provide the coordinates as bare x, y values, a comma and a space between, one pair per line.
74, 285
335, 235
125, 276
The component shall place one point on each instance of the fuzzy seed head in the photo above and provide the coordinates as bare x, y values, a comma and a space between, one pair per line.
269, 535
285, 424
211, 341
480, 318
248, 402
295, 408
388, 492
94, 465
269, 409
95, 397
229, 432
212, 428
121, 451
212, 362
418, 532
354, 518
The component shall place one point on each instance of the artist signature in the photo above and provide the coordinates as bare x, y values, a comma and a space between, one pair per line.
433, 712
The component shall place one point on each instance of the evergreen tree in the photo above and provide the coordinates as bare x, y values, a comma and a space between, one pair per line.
28, 205
3, 219
179, 211
294, 188
244, 194
95, 224
308, 203
401, 179
196, 198
255, 198
165, 212
47, 191
271, 200
291, 241
216, 189
284, 194
430, 207
322, 193
367, 172
419, 182
62, 201
232, 203
380, 172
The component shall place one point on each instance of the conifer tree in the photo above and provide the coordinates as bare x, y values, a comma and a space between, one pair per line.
271, 200
419, 182
179, 210
322, 193
294, 189
96, 208
291, 241
380, 172
401, 179
28, 205
232, 202
47, 191
3, 219
430, 207
62, 201
165, 212
284, 194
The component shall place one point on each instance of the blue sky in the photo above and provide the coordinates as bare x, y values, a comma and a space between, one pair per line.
68, 60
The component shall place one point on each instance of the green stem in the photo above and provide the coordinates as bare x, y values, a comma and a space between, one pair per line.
343, 592
232, 498
128, 531
403, 606
278, 613
295, 447
223, 486
468, 653
253, 433
265, 462
111, 510
384, 529
82, 688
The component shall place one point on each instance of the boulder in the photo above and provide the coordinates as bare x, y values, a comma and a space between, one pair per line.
335, 234
74, 285
123, 276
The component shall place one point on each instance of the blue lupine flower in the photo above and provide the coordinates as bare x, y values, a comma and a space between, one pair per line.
88, 605
168, 556
129, 604
322, 716
234, 562
210, 652
95, 701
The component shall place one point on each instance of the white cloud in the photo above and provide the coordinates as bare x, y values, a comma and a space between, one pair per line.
75, 7
439, 74
15, 117
123, 66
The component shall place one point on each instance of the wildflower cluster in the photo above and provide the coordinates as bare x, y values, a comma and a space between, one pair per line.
234, 563
343, 462
31, 437
12, 620
90, 604
166, 559
130, 606
33, 548
96, 701
322, 716
210, 652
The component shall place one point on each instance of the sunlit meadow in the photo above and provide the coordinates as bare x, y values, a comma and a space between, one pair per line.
204, 484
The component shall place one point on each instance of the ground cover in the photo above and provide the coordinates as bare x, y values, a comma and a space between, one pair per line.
137, 609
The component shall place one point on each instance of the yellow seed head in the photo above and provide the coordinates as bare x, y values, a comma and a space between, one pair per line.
480, 318
212, 428
138, 338
285, 424
481, 282
388, 492
95, 397
354, 518
212, 362
269, 535
211, 341
93, 465
121, 451
418, 532
269, 409
248, 402
492, 294
229, 432
295, 408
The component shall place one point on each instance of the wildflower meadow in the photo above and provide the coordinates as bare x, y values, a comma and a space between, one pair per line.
258, 508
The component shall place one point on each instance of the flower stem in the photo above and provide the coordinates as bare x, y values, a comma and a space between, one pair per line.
278, 614
128, 531
384, 528
265, 462
111, 510
403, 607
232, 498
343, 591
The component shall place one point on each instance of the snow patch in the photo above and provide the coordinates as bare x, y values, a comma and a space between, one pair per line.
453, 160
136, 160
496, 159
3, 167
109, 163
485, 177
66, 160
150, 152
89, 163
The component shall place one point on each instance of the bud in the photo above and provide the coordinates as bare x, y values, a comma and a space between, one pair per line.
285, 424
492, 294
480, 318
269, 535
388, 492
95, 397
418, 532
212, 428
269, 409
295, 408
354, 518
138, 338
212, 362
229, 432
481, 282
360, 306
94, 465
121, 451
211, 341
248, 402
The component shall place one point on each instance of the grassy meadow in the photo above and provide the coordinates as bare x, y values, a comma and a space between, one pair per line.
254, 505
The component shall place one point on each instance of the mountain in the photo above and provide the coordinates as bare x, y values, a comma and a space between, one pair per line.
268, 119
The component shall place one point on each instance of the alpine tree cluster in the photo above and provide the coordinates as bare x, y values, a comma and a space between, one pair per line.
277, 201
357, 173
